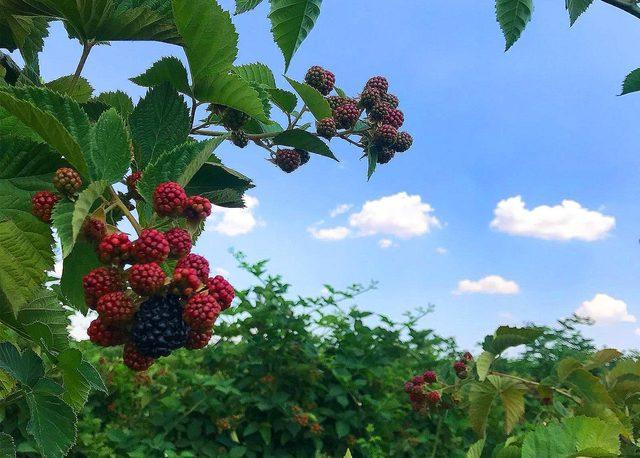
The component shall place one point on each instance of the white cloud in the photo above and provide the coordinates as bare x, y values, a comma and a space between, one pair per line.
80, 324
491, 284
441, 250
566, 221
341, 209
401, 215
385, 243
234, 221
604, 309
330, 234
638, 331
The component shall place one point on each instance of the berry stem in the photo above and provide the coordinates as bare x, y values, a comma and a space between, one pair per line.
533, 383
86, 49
297, 118
125, 210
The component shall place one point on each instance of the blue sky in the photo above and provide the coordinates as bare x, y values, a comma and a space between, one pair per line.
542, 122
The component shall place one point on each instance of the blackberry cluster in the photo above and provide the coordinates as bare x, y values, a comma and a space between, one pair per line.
158, 327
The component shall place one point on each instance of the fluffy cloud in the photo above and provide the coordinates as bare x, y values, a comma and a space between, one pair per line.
492, 284
341, 210
566, 221
385, 243
441, 250
234, 221
330, 234
604, 309
401, 215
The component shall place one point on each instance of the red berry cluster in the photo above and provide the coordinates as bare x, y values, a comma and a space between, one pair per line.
460, 366
67, 182
423, 392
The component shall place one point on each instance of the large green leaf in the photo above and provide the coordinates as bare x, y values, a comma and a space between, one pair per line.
26, 367
78, 89
110, 155
210, 39
242, 6
576, 8
82, 259
602, 357
301, 139
166, 70
316, 103
483, 364
220, 184
7, 446
256, 73
291, 22
284, 100
159, 123
589, 387
230, 90
52, 423
27, 34
482, 396
631, 82
507, 336
76, 387
513, 16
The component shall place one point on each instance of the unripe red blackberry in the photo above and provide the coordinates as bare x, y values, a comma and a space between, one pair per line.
146, 279
201, 312
233, 119
115, 307
459, 366
198, 339
94, 229
151, 246
197, 262
335, 101
222, 290
326, 128
346, 115
239, 138
404, 140
433, 397
320, 79
105, 334
430, 377
185, 281
115, 249
390, 100
385, 135
369, 98
99, 282
198, 208
67, 181
417, 380
134, 360
385, 155
169, 199
379, 111
378, 82
179, 242
466, 356
304, 156
287, 159
393, 117
132, 183
42, 204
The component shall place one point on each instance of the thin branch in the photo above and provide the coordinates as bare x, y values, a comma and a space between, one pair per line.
125, 210
86, 50
628, 6
533, 383
297, 118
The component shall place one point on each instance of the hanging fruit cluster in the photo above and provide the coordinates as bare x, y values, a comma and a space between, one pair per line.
139, 304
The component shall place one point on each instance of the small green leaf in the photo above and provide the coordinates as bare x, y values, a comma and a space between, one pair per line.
78, 89
167, 70
342, 428
82, 259
220, 184
372, 161
27, 368
303, 140
110, 154
7, 446
284, 100
242, 6
483, 364
316, 103
92, 376
631, 82
513, 16
118, 100
506, 337
576, 8
230, 90
291, 22
52, 423
601, 358
256, 73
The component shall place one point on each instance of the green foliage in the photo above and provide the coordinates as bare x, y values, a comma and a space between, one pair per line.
242, 6
315, 102
301, 139
631, 82
291, 23
576, 8
78, 89
513, 16
110, 154
167, 70
80, 262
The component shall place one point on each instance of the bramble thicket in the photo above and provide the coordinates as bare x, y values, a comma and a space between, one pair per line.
178, 362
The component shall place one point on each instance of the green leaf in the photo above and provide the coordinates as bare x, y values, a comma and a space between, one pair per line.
512, 397
576, 8
506, 337
631, 82
76, 387
159, 123
475, 451
68, 217
589, 387
242, 6
301, 139
316, 103
483, 364
7, 446
48, 127
78, 89
601, 358
110, 155
372, 161
256, 73
167, 70
291, 22
82, 259
26, 368
179, 165
220, 184
52, 423
513, 16
92, 376
284, 100
210, 39
118, 100
482, 396
230, 90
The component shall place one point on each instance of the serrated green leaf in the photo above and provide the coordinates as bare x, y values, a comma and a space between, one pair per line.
76, 387
511, 394
372, 161
7, 384
303, 140
576, 8
25, 367
159, 123
284, 100
631, 82
166, 70
588, 387
220, 184
52, 423
82, 259
78, 89
110, 155
242, 6
507, 336
316, 103
92, 376
7, 446
210, 39
230, 90
481, 398
513, 16
483, 364
256, 73
118, 100
291, 22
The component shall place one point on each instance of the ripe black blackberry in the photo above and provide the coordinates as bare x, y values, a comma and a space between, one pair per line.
158, 327
239, 138
287, 159
385, 155
304, 156
320, 79
391, 100
326, 128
